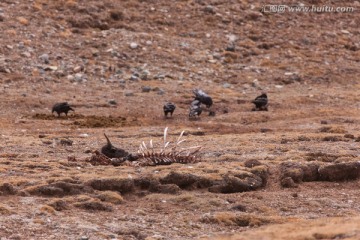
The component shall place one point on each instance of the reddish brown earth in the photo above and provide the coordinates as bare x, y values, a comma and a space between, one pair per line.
306, 184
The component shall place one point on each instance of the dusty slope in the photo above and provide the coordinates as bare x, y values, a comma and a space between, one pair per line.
80, 52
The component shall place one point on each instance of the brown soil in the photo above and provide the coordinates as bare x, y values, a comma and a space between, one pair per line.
288, 173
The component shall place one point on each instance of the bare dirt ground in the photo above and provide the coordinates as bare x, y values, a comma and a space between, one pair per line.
289, 173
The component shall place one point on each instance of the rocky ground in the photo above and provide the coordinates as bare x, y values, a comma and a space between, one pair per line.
289, 173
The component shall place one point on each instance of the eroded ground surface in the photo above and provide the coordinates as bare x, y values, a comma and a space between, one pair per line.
289, 173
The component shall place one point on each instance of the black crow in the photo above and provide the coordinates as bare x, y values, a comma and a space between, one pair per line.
261, 103
62, 107
169, 108
203, 97
113, 152
195, 109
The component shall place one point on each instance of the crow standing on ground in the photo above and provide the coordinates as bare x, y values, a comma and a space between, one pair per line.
195, 109
62, 107
113, 152
202, 97
261, 103
169, 108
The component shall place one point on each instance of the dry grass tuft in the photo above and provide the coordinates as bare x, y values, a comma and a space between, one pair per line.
111, 197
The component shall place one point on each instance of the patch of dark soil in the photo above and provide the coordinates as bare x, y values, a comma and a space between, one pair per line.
320, 156
59, 205
103, 122
186, 180
340, 172
7, 189
59, 188
238, 183
123, 185
94, 205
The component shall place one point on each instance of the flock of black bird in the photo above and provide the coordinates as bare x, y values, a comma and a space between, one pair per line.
261, 104
200, 97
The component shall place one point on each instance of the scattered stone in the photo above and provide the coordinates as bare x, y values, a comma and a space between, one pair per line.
66, 142
134, 78
112, 102
78, 69
133, 45
226, 85
209, 9
44, 58
116, 15
252, 163
23, 21
25, 54
230, 48
324, 122
239, 207
161, 91
129, 93
78, 77
146, 89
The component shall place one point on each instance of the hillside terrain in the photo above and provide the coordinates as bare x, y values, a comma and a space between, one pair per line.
292, 172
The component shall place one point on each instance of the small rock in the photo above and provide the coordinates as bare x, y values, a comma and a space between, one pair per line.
26, 54
78, 77
70, 78
112, 102
134, 45
148, 42
129, 93
256, 84
323, 122
161, 92
77, 69
84, 238
209, 9
44, 58
226, 85
239, 207
146, 89
66, 142
2, 17
252, 163
230, 48
134, 78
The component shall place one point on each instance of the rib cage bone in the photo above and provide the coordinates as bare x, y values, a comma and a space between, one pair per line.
170, 152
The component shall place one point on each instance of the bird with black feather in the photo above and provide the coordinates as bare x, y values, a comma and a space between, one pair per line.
195, 109
202, 97
62, 107
169, 108
261, 102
